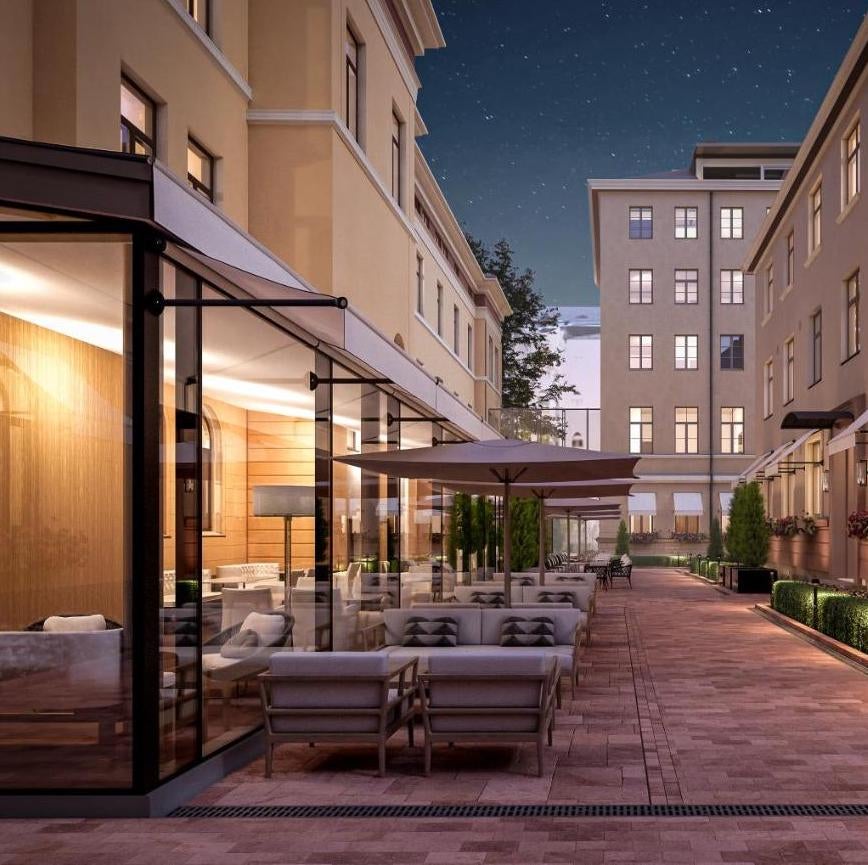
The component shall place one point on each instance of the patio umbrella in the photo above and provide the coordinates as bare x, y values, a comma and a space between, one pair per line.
504, 461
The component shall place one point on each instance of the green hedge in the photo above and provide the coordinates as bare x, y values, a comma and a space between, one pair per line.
842, 616
658, 561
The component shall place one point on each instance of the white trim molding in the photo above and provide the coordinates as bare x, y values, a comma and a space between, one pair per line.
210, 46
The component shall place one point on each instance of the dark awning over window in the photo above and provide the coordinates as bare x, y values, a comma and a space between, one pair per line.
814, 419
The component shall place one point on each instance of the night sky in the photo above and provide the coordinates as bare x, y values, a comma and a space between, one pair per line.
532, 97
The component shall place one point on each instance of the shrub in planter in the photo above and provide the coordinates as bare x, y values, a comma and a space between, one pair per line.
622, 541
715, 540
688, 537
808, 525
795, 599
785, 527
747, 540
845, 618
857, 524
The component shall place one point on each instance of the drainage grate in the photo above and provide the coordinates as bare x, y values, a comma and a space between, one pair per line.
475, 811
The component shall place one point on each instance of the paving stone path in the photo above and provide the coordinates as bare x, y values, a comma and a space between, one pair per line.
688, 697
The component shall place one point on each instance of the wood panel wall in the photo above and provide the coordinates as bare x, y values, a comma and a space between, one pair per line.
61, 476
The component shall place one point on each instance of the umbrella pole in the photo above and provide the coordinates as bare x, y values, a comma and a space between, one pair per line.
542, 540
507, 547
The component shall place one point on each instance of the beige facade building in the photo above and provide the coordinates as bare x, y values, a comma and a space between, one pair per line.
810, 258
298, 122
677, 322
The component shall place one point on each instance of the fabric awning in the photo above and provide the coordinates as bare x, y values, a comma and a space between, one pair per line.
772, 468
754, 467
846, 439
687, 504
642, 504
725, 502
771, 458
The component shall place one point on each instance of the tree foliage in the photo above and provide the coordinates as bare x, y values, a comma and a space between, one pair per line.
747, 540
524, 524
622, 540
715, 540
527, 356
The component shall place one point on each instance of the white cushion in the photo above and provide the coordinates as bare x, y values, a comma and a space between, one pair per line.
268, 627
468, 618
74, 624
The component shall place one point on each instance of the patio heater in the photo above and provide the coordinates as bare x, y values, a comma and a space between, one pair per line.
277, 500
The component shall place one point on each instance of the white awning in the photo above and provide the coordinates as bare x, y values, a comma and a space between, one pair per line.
642, 504
753, 468
772, 458
846, 439
687, 504
791, 448
725, 502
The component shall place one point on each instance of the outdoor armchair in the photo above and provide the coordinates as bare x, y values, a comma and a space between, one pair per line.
336, 697
489, 698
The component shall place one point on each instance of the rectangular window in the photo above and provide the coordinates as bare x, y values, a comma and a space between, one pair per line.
817, 346
200, 12
641, 223
732, 223
731, 286
686, 430
815, 221
686, 221
732, 351
853, 337
686, 351
439, 309
768, 388
789, 370
470, 346
490, 370
687, 523
420, 285
351, 83
641, 353
200, 169
791, 258
641, 523
769, 296
137, 120
641, 286
686, 286
814, 477
456, 327
397, 149
641, 430
852, 168
732, 429
497, 370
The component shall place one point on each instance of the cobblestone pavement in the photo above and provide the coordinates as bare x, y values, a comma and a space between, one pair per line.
688, 697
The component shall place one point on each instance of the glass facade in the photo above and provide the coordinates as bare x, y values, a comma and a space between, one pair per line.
171, 514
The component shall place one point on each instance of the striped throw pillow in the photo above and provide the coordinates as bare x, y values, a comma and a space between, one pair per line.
419, 631
520, 631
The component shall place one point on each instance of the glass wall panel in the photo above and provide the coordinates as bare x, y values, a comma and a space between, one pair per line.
65, 625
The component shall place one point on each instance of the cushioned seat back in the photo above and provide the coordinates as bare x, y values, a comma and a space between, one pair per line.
468, 619
259, 634
579, 595
565, 620
523, 578
237, 603
488, 595
503, 692
308, 690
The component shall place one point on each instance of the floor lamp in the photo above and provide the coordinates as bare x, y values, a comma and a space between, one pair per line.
273, 500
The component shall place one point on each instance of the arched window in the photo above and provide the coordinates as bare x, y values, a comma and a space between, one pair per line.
212, 473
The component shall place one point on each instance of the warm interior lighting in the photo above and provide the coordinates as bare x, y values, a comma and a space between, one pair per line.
825, 480
862, 472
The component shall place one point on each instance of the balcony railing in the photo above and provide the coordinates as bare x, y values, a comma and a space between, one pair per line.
570, 427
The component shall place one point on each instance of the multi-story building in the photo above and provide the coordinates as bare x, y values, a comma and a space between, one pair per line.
677, 319
189, 193
810, 258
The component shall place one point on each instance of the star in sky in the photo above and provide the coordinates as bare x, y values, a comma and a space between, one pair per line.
528, 100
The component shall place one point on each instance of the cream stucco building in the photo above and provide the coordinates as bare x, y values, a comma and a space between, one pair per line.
810, 257
677, 322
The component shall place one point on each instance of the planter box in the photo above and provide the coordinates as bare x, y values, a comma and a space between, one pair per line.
752, 581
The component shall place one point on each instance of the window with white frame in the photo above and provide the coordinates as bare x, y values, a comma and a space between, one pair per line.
641, 429
641, 523
687, 286
641, 286
789, 381
817, 346
852, 336
769, 295
686, 223
815, 218
791, 258
641, 351
732, 429
641, 223
852, 168
686, 429
686, 351
732, 223
731, 286
768, 388
732, 351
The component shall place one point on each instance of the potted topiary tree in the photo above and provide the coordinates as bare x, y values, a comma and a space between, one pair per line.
714, 552
622, 541
748, 540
